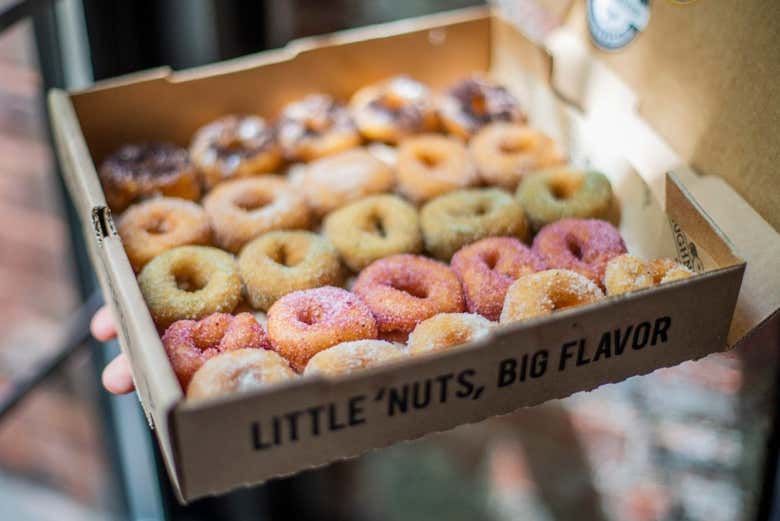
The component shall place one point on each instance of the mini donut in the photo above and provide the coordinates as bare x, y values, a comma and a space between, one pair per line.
139, 171
189, 343
278, 263
446, 330
243, 209
235, 146
473, 103
151, 227
190, 282
505, 152
403, 290
394, 109
543, 292
581, 245
350, 357
451, 221
239, 371
564, 192
303, 323
626, 273
488, 267
314, 127
373, 228
430, 165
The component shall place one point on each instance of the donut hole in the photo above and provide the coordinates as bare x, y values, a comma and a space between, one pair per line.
310, 315
189, 280
475, 209
565, 298
428, 159
412, 288
286, 256
515, 145
573, 245
564, 187
490, 258
158, 227
251, 202
478, 105
375, 225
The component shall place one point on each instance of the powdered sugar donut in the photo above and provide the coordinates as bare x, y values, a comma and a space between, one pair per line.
473, 103
349, 357
447, 330
628, 273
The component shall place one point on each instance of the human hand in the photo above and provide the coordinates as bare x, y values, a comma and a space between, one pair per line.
117, 378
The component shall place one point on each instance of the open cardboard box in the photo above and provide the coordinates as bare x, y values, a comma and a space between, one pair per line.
214, 446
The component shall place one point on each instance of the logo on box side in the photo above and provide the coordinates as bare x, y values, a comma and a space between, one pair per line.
613, 24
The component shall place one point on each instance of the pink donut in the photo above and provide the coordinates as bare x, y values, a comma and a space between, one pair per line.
488, 267
581, 245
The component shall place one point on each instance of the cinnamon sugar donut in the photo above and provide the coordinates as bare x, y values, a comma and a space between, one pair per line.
473, 103
404, 290
447, 330
350, 357
314, 127
488, 267
303, 323
626, 273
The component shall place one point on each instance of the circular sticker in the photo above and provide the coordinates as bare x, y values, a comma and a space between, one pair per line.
613, 24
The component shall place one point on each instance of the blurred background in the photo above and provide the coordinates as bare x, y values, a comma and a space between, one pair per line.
695, 442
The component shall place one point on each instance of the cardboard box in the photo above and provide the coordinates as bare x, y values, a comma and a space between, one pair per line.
214, 446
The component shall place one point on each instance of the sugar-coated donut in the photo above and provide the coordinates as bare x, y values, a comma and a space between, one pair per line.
473, 103
404, 290
488, 267
138, 171
373, 228
447, 330
453, 220
626, 273
543, 292
278, 263
151, 227
505, 152
235, 146
189, 344
349, 357
303, 323
243, 209
430, 165
238, 371
190, 282
581, 245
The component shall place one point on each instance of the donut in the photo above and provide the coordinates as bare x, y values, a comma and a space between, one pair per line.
451, 221
189, 343
151, 227
626, 273
543, 292
138, 171
505, 152
278, 263
350, 357
564, 192
303, 323
234, 146
430, 165
333, 181
393, 109
190, 282
581, 245
314, 127
373, 228
473, 103
238, 371
243, 209
446, 330
488, 267
403, 290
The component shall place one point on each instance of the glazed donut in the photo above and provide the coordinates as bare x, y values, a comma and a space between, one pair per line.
349, 357
488, 267
333, 181
543, 292
446, 330
151, 227
404, 290
314, 127
303, 323
581, 245
190, 282
278, 263
189, 344
394, 109
473, 103
235, 146
243, 209
564, 192
373, 228
626, 273
505, 152
430, 165
238, 371
139, 171
451, 221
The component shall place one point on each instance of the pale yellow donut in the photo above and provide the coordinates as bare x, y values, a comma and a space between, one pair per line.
626, 273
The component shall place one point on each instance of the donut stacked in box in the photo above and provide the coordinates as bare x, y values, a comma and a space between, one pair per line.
341, 236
